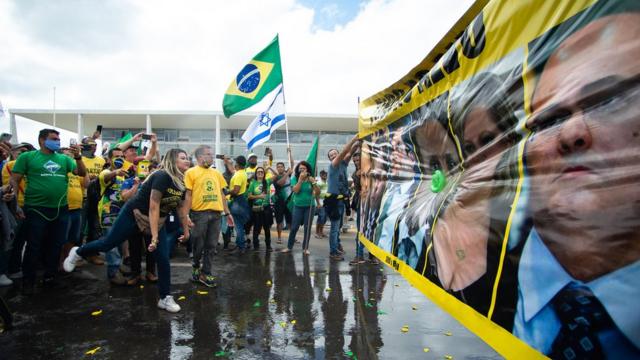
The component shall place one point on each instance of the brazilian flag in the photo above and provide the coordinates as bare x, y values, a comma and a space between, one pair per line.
256, 79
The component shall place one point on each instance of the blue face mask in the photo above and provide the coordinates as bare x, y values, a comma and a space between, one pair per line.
53, 145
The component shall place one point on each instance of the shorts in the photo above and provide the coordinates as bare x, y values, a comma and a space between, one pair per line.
322, 216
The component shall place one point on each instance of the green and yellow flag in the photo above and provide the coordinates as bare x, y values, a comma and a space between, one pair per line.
256, 79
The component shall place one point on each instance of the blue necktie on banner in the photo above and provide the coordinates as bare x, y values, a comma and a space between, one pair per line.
261, 128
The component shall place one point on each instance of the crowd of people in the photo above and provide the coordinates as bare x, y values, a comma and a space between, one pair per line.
64, 207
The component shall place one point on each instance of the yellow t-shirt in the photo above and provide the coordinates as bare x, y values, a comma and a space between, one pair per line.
74, 193
6, 175
239, 179
205, 185
94, 165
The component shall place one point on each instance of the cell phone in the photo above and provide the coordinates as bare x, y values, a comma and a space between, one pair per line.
266, 151
99, 129
73, 142
5, 137
220, 156
146, 136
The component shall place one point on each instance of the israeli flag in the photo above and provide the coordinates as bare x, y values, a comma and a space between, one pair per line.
261, 128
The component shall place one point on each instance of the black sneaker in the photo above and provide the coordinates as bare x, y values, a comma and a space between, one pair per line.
207, 280
336, 257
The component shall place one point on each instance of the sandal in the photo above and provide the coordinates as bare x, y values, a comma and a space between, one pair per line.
151, 277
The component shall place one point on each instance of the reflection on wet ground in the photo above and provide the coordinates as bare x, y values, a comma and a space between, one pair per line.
267, 306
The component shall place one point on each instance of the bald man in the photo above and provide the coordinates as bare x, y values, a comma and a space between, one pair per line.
579, 267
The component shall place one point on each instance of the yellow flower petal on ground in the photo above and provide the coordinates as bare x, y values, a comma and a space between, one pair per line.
268, 282
448, 357
283, 324
182, 298
293, 322
141, 286
200, 292
426, 350
405, 329
328, 289
92, 351
448, 333
96, 313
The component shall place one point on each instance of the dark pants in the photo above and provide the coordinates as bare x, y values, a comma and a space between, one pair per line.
46, 230
137, 246
74, 229
204, 238
301, 215
125, 227
15, 258
262, 221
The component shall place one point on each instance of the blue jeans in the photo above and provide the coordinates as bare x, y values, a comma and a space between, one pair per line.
241, 214
125, 227
74, 230
301, 215
334, 234
359, 245
163, 254
46, 230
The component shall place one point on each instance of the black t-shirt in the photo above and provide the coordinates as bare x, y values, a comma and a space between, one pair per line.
160, 181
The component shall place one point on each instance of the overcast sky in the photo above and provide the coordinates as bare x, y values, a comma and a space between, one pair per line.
182, 55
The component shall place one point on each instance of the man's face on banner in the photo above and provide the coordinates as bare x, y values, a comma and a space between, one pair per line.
584, 155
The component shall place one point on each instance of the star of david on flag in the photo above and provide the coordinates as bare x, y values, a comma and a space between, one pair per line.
261, 128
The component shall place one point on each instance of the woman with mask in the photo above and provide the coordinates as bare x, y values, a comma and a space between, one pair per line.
260, 196
161, 193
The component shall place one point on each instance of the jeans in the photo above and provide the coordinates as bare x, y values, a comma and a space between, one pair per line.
334, 234
125, 227
204, 238
241, 213
301, 215
46, 230
74, 230
163, 253
359, 245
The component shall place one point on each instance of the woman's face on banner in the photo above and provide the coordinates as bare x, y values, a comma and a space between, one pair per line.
437, 150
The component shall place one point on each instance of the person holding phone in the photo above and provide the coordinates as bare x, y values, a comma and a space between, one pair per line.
45, 202
305, 190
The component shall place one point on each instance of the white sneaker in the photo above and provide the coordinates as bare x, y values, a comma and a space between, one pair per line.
168, 304
5, 281
70, 262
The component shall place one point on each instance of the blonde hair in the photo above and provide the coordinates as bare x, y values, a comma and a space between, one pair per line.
169, 166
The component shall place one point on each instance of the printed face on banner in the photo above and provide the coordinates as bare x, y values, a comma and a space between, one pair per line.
510, 184
583, 155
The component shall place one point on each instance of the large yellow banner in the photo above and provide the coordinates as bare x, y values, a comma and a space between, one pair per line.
501, 176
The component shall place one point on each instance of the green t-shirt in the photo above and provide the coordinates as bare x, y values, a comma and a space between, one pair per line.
303, 198
46, 174
255, 188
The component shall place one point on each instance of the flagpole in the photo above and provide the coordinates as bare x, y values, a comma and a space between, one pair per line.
284, 98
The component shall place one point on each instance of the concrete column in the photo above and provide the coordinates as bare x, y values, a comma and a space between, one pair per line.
219, 163
148, 125
80, 127
12, 128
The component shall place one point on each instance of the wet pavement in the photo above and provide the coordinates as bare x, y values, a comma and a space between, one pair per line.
266, 306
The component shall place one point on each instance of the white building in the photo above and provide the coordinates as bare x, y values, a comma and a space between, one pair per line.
188, 129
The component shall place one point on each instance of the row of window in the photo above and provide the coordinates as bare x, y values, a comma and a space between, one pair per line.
232, 135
